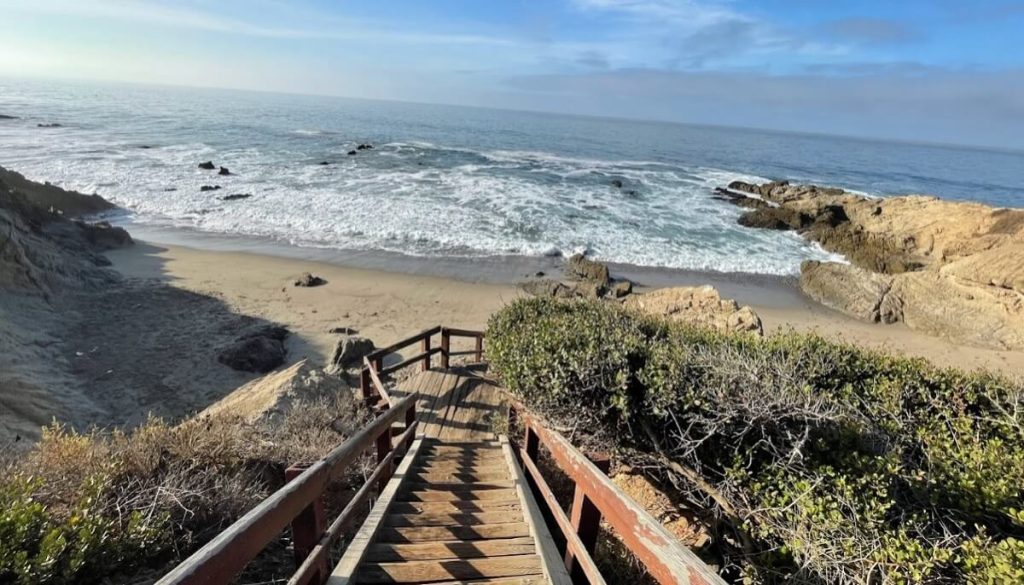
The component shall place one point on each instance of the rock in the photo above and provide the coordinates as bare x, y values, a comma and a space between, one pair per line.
308, 279
259, 354
50, 125
273, 396
539, 274
275, 332
365, 147
547, 288
350, 350
224, 171
851, 290
323, 163
740, 200
697, 305
617, 183
621, 288
6, 117
208, 165
236, 196
145, 146
985, 316
343, 330
206, 188
775, 218
630, 193
104, 236
579, 266
589, 289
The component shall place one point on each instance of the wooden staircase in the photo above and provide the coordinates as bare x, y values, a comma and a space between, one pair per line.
455, 512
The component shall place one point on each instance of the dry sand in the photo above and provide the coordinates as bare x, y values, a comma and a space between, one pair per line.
387, 306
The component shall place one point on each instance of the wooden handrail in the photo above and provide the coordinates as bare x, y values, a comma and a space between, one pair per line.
224, 557
666, 559
373, 364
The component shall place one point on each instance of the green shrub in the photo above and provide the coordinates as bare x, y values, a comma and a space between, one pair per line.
845, 465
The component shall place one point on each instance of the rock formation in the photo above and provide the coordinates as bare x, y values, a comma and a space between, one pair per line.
698, 305
952, 269
274, 395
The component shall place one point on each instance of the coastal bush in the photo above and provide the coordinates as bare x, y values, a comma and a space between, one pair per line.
85, 507
829, 462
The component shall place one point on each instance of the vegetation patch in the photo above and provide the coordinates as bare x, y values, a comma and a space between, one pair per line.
824, 462
103, 506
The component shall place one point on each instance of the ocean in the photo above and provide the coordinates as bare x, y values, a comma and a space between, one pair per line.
454, 182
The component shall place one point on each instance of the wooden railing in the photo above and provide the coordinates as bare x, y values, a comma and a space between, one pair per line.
597, 498
299, 503
373, 364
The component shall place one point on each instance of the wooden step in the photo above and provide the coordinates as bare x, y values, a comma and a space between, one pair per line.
427, 551
460, 519
433, 571
455, 507
459, 476
425, 494
401, 534
471, 467
457, 486
488, 455
524, 580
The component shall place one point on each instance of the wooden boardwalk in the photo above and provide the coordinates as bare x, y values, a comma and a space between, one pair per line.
458, 509
458, 404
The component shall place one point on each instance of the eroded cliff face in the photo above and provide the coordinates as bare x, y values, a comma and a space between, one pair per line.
952, 269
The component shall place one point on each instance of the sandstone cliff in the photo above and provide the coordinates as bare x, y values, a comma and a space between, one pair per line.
953, 269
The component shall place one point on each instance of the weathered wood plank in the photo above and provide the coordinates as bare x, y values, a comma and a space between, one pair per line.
427, 571
451, 550
345, 570
455, 507
435, 533
551, 559
488, 466
458, 519
431, 476
458, 486
428, 495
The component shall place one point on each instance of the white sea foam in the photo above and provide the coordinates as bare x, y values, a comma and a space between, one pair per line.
417, 198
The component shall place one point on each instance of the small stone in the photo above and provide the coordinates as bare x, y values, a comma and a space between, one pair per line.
308, 279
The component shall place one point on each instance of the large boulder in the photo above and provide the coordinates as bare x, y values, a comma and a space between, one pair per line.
700, 306
775, 218
259, 351
350, 350
273, 396
851, 290
985, 316
583, 268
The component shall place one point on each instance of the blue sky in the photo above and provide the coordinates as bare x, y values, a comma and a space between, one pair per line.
939, 71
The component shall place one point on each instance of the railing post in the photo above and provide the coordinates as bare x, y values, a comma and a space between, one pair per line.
586, 521
446, 343
307, 528
383, 448
531, 442
479, 348
366, 384
425, 346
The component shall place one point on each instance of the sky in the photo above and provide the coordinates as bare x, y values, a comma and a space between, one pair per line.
947, 71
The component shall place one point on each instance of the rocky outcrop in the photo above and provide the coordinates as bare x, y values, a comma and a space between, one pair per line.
948, 268
208, 165
698, 305
852, 290
273, 396
224, 171
583, 268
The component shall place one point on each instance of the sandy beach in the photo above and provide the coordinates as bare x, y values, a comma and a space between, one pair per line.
386, 306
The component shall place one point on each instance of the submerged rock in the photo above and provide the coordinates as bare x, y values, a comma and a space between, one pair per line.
236, 196
224, 171
365, 147
6, 117
50, 125
207, 166
698, 305
206, 188
352, 153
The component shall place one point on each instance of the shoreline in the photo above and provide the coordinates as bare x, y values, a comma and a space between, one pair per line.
386, 306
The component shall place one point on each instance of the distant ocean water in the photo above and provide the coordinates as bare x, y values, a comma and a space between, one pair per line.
454, 181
